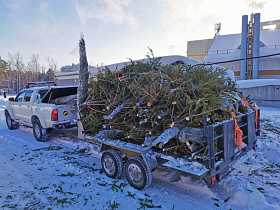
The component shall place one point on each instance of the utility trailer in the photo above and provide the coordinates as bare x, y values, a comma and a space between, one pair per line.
138, 161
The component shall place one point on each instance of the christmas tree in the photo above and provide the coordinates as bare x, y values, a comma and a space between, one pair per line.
152, 104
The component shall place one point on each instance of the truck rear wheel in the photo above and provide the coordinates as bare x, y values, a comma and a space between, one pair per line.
137, 173
112, 164
11, 124
39, 132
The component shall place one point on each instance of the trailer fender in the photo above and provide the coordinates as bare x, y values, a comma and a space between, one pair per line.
150, 159
131, 150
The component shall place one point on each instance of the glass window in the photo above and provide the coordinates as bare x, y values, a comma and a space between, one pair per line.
20, 96
28, 94
42, 93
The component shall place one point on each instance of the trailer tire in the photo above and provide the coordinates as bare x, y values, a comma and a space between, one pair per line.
11, 124
39, 132
112, 164
137, 173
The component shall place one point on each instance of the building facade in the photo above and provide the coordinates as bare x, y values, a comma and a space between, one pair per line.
198, 49
270, 25
229, 47
67, 78
70, 68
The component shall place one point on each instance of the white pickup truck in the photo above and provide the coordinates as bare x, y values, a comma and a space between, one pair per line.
44, 109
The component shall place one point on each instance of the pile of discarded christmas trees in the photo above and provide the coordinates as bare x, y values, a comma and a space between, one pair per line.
151, 104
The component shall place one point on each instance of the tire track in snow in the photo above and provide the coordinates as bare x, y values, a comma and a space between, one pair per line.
195, 194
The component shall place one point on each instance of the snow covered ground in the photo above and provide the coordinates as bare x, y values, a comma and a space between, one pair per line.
63, 173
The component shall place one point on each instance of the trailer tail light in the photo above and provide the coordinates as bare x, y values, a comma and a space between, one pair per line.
255, 148
54, 115
213, 179
219, 177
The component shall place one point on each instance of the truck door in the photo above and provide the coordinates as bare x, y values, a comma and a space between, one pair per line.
26, 106
16, 105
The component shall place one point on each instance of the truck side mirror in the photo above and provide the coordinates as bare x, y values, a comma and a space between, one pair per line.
12, 99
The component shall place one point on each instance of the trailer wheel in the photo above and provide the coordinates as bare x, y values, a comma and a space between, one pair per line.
39, 132
112, 164
137, 173
11, 124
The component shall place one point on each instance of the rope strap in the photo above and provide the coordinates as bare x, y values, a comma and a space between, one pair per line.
256, 111
237, 133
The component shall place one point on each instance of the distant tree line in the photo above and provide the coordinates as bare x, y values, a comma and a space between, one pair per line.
15, 74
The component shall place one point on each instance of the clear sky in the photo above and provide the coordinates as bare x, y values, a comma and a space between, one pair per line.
115, 30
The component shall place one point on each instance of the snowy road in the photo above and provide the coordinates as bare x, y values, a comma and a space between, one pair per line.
64, 174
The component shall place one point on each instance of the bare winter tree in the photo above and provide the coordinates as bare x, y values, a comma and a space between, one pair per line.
52, 63
4, 67
49, 75
34, 66
43, 69
4, 79
16, 63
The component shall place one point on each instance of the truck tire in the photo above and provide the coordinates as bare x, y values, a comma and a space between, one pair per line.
11, 124
137, 173
39, 132
112, 164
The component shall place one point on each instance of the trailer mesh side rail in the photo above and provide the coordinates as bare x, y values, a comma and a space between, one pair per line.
222, 151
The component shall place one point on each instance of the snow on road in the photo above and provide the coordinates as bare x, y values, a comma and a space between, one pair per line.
64, 173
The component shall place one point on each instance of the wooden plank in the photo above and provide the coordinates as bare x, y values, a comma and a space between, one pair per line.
228, 140
251, 129
259, 123
211, 147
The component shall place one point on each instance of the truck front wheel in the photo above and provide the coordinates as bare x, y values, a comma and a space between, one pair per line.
112, 164
137, 173
11, 124
39, 132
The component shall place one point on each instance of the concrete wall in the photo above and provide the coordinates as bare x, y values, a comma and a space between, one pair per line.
264, 96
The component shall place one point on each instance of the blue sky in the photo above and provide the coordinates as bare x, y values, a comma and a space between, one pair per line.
115, 30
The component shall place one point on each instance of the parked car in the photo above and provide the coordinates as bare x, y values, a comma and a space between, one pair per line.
43, 109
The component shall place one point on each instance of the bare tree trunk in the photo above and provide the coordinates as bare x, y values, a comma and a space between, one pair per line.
16, 63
